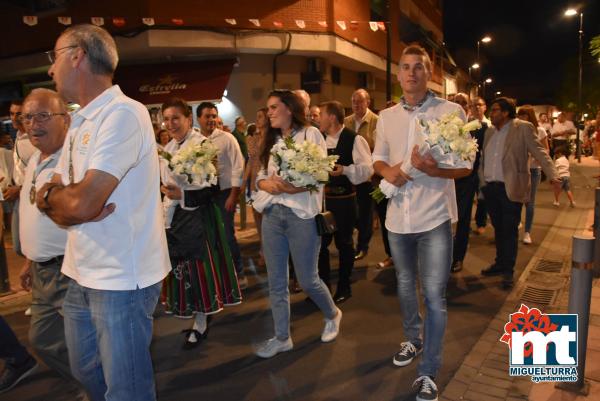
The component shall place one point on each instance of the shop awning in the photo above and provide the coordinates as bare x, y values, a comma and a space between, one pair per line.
192, 81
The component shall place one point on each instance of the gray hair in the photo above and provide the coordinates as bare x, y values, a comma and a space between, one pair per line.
43, 92
98, 44
363, 92
303, 95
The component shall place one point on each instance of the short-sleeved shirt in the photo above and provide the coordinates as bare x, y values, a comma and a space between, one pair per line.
41, 238
127, 249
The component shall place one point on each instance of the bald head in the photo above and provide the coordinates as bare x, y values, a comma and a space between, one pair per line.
305, 97
46, 120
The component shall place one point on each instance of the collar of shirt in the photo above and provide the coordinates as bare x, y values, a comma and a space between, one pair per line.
429, 94
95, 106
21, 135
332, 140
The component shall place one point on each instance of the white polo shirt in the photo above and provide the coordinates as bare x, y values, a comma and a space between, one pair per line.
41, 238
427, 201
230, 161
127, 249
22, 151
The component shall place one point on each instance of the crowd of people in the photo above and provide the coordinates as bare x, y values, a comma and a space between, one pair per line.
108, 231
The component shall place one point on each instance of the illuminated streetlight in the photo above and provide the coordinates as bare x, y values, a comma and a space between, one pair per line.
489, 80
570, 13
498, 93
486, 39
476, 66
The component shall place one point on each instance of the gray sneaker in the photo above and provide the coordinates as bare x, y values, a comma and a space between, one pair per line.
425, 388
408, 352
274, 346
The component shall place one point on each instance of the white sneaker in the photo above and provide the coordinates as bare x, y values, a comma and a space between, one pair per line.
555, 203
274, 346
332, 327
526, 238
28, 311
243, 282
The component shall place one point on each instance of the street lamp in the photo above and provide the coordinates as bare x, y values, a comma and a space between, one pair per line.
570, 13
487, 81
498, 93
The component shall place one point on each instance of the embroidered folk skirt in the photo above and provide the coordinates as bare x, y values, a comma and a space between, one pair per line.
203, 277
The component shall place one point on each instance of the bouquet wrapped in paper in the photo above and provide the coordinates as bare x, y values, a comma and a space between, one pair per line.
192, 167
304, 165
448, 140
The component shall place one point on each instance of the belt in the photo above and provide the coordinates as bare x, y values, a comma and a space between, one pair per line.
352, 195
55, 260
494, 183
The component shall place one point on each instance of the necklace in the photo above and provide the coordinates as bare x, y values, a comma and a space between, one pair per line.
39, 169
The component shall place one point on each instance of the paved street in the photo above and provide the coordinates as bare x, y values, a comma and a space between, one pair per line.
357, 366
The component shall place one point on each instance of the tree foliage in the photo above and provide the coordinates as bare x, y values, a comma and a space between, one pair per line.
595, 46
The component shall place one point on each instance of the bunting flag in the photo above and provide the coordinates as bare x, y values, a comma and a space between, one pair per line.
30, 20
64, 20
98, 21
118, 22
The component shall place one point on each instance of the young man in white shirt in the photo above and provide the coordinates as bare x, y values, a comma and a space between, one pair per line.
353, 167
230, 165
419, 218
106, 192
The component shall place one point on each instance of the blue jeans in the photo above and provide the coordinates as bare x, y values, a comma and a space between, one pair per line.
108, 336
429, 255
284, 232
536, 177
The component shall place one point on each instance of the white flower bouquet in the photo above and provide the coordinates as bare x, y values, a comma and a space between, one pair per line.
448, 140
194, 165
304, 165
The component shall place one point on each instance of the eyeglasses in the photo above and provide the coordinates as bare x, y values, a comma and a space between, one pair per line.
40, 117
53, 54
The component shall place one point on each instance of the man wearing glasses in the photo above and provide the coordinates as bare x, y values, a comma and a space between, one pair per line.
106, 192
22, 151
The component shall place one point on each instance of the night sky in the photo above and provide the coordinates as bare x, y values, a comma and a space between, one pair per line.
533, 56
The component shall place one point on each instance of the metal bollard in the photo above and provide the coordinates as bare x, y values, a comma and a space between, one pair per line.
597, 233
580, 294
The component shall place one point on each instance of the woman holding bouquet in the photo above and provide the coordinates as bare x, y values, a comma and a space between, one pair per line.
203, 277
288, 225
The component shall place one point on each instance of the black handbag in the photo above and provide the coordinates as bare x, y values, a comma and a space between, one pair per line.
325, 222
186, 236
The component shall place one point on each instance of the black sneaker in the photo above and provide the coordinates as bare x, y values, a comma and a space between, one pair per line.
425, 388
13, 375
408, 352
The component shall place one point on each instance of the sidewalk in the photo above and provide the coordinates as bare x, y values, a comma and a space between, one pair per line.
483, 375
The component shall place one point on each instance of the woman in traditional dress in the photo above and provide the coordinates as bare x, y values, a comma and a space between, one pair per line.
203, 278
288, 225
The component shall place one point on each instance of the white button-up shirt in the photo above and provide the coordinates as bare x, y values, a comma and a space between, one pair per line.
428, 201
306, 204
41, 238
494, 151
362, 169
128, 249
230, 161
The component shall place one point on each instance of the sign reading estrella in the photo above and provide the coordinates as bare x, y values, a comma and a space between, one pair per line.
543, 346
165, 85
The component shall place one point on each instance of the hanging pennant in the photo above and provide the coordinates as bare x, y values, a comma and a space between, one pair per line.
354, 25
231, 21
30, 20
177, 21
64, 20
301, 24
381, 25
98, 21
342, 25
373, 26
148, 21
254, 22
323, 24
278, 24
118, 21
